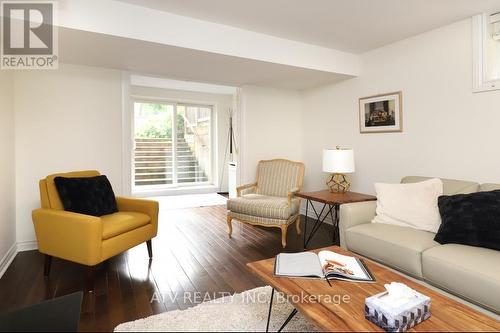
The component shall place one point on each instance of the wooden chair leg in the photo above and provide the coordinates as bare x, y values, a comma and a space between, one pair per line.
230, 226
89, 278
284, 229
47, 266
297, 225
149, 244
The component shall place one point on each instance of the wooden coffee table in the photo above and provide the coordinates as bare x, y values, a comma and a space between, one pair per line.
446, 314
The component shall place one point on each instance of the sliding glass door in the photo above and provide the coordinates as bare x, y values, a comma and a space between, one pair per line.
172, 145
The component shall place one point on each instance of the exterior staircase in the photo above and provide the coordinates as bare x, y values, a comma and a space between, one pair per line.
153, 163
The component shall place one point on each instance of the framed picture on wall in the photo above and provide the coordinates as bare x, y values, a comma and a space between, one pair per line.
381, 113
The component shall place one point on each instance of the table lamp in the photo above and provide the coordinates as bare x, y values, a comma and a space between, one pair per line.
338, 161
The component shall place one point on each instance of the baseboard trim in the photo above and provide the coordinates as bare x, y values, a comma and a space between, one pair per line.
27, 246
7, 259
13, 251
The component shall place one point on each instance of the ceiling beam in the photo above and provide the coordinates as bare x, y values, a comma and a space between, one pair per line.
136, 22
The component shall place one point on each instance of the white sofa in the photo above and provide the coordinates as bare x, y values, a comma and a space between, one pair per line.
472, 273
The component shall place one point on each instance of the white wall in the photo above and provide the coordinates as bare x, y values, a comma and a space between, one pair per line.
67, 119
222, 103
7, 169
271, 127
448, 130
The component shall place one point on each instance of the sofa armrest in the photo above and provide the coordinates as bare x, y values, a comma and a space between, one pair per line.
148, 207
67, 235
353, 214
241, 188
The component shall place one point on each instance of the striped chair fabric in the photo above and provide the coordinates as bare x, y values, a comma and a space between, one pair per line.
278, 177
264, 206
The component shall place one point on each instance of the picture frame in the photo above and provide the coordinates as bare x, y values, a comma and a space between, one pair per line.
381, 113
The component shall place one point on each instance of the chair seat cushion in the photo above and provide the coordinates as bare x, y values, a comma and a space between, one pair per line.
122, 222
264, 206
469, 271
396, 246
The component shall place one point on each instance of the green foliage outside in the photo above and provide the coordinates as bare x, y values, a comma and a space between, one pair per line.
154, 121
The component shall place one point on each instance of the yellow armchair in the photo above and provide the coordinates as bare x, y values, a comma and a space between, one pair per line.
90, 240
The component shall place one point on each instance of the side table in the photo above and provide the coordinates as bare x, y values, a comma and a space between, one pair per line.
331, 203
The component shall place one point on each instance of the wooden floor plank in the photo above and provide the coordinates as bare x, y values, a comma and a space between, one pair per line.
192, 253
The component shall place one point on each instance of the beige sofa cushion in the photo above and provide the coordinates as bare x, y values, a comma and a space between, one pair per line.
411, 205
450, 186
489, 187
471, 272
395, 246
264, 206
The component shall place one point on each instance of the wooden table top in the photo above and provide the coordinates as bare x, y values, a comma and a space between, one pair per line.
325, 196
446, 314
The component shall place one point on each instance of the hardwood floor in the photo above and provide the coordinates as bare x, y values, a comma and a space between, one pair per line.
192, 255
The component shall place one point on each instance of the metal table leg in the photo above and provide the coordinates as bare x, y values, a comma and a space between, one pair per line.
294, 312
318, 221
270, 308
336, 222
316, 224
290, 317
305, 222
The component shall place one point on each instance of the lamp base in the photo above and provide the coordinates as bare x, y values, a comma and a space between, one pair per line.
338, 183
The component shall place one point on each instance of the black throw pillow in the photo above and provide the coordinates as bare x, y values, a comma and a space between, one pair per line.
470, 219
87, 195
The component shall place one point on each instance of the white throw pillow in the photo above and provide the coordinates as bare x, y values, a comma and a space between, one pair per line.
410, 205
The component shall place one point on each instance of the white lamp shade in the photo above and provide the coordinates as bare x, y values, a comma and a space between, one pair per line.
338, 160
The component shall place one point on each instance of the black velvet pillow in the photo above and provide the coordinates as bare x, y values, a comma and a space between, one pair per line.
87, 195
470, 219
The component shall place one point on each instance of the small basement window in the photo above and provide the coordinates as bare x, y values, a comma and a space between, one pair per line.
486, 43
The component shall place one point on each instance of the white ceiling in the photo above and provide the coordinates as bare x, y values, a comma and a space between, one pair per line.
347, 25
137, 56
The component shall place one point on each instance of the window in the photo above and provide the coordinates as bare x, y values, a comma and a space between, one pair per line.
172, 145
492, 48
486, 43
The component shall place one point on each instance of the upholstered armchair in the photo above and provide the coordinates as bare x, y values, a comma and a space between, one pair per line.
270, 201
86, 239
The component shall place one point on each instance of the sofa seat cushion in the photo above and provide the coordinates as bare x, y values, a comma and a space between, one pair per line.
264, 206
468, 271
122, 222
396, 246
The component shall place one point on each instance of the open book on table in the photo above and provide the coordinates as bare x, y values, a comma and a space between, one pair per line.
325, 264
